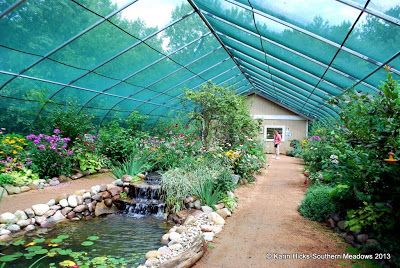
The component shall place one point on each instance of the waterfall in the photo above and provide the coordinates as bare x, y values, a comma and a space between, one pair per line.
146, 199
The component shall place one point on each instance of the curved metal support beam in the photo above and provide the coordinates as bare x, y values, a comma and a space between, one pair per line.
280, 71
341, 47
306, 57
69, 41
205, 81
286, 91
11, 8
141, 41
172, 87
308, 33
148, 66
372, 12
79, 88
168, 75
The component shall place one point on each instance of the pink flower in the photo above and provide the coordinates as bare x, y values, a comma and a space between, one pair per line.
70, 152
41, 147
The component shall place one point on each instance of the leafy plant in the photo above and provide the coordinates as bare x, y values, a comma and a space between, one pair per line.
51, 154
370, 216
207, 193
229, 202
318, 203
131, 166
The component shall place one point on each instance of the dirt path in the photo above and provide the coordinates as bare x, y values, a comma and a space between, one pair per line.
25, 200
267, 221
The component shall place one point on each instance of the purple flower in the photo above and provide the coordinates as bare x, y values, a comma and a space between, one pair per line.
315, 138
31, 136
36, 141
70, 152
41, 147
56, 131
28, 163
53, 147
67, 139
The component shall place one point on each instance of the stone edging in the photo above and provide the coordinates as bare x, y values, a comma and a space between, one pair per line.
185, 244
84, 204
41, 183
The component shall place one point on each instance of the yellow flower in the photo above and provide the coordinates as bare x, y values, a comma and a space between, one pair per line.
14, 152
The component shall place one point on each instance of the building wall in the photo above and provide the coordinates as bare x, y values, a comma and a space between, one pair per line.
295, 126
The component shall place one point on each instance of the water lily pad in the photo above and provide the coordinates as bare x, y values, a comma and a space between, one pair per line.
93, 238
63, 236
87, 243
39, 240
18, 242
11, 257
56, 240
34, 248
41, 251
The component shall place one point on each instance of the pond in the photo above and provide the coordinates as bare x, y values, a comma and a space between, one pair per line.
113, 241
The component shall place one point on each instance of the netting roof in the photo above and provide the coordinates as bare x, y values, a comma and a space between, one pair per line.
111, 57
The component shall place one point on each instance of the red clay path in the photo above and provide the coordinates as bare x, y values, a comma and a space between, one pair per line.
267, 221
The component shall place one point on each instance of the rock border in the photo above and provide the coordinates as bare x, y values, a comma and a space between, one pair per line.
186, 243
8, 189
83, 204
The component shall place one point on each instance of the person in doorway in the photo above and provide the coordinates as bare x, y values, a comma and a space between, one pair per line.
277, 143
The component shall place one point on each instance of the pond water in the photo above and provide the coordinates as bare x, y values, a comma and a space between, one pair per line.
112, 241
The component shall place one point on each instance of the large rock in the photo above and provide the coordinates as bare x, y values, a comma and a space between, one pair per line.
188, 257
224, 213
30, 213
216, 218
86, 195
164, 250
12, 189
8, 218
80, 208
206, 209
152, 254
54, 182
24, 223
174, 236
197, 204
66, 210
40, 209
219, 206
5, 232
95, 189
341, 225
64, 203
114, 190
102, 209
25, 188
208, 236
118, 182
51, 202
72, 200
13, 227
30, 227
165, 239
57, 217
49, 213
3, 192
20, 215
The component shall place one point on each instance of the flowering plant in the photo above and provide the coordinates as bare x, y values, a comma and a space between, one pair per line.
51, 154
87, 154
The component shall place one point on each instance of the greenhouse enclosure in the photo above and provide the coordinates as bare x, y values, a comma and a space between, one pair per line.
204, 133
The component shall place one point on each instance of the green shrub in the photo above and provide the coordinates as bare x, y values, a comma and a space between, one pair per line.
318, 203
116, 142
6, 178
176, 186
69, 120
